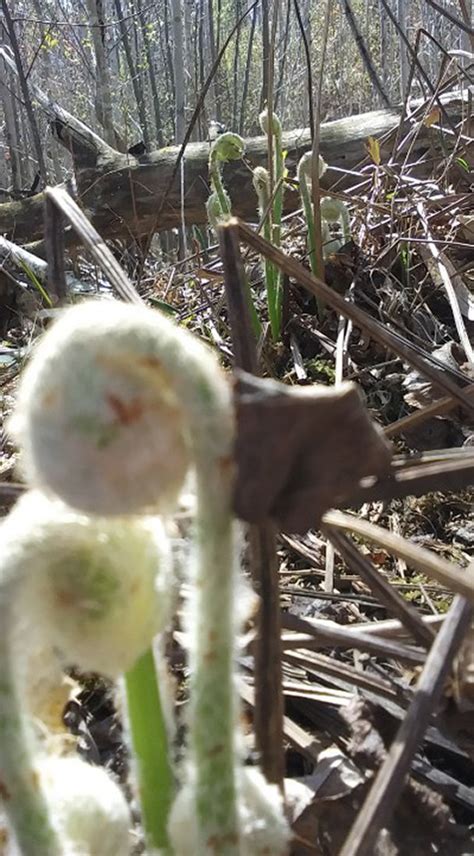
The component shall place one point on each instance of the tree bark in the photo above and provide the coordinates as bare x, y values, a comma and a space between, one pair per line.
35, 134
149, 53
178, 62
404, 61
135, 76
124, 195
11, 137
103, 93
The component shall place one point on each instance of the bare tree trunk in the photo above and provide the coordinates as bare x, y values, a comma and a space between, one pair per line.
247, 75
213, 55
28, 163
103, 95
151, 73
11, 136
284, 48
191, 87
265, 53
178, 62
48, 75
383, 45
25, 93
200, 48
236, 64
169, 61
404, 64
134, 75
467, 39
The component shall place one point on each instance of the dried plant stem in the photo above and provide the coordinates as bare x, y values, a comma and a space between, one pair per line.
381, 333
441, 405
386, 593
381, 800
449, 574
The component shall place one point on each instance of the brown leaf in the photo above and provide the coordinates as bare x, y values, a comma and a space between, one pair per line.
432, 117
301, 451
373, 148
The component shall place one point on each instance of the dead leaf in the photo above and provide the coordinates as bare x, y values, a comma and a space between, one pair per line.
373, 148
379, 557
432, 117
334, 777
301, 451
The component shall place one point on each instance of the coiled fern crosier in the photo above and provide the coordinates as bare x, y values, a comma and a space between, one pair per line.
94, 591
331, 211
114, 406
225, 148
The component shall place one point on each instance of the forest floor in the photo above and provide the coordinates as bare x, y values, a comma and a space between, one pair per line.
410, 264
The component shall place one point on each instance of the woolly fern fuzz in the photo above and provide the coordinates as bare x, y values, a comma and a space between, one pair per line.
101, 587
97, 416
90, 812
262, 826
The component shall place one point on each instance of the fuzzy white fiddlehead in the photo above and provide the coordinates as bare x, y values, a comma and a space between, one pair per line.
226, 147
336, 211
261, 183
146, 372
89, 433
90, 813
100, 587
332, 210
93, 589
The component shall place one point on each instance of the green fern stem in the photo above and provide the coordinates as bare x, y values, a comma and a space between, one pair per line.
261, 183
149, 739
218, 186
271, 124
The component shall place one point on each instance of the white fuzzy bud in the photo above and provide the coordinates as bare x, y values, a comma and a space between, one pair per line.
227, 147
97, 417
263, 829
89, 810
261, 180
264, 123
215, 214
100, 587
332, 209
305, 166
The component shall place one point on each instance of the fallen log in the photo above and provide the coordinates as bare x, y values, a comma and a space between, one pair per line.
125, 196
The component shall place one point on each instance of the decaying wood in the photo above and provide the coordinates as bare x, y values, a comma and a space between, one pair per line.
98, 249
25, 260
123, 194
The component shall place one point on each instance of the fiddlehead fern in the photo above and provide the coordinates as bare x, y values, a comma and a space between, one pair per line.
226, 147
144, 371
92, 589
